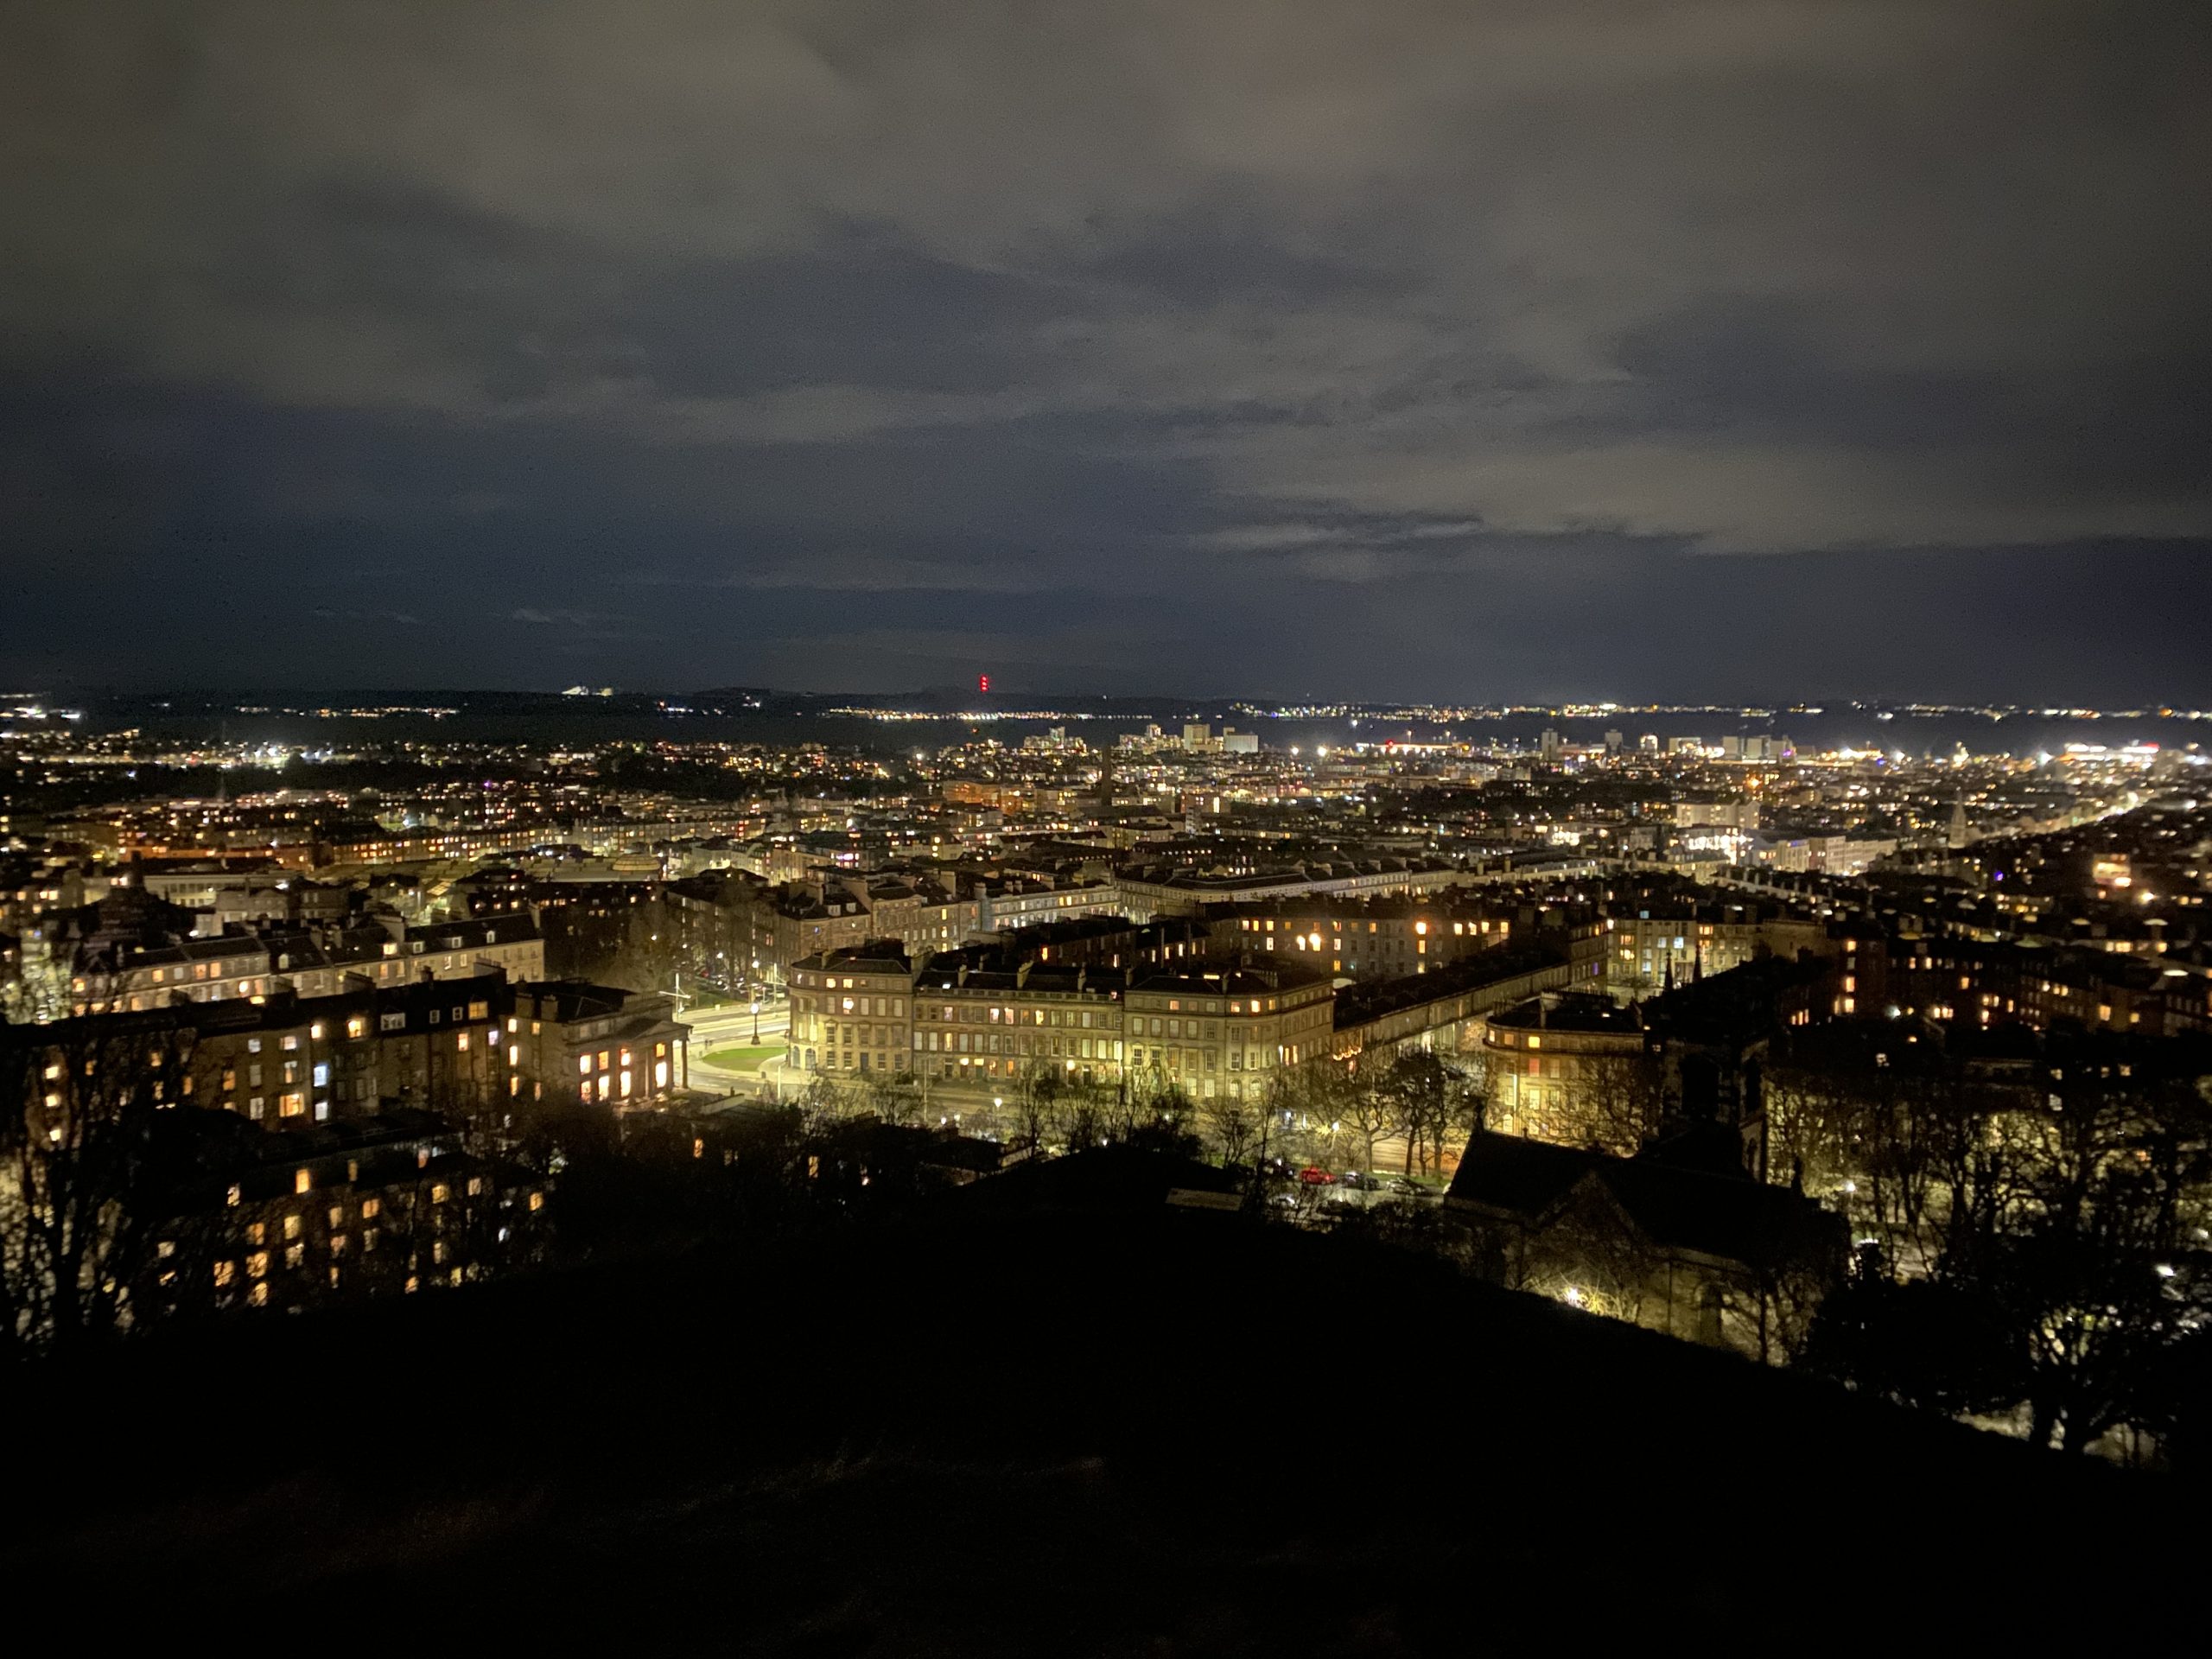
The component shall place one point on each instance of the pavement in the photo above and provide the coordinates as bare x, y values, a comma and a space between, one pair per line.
732, 1024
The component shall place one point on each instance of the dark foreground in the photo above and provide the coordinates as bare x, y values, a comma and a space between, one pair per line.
1068, 1425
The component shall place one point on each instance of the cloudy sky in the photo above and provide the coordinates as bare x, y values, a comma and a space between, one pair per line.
1646, 350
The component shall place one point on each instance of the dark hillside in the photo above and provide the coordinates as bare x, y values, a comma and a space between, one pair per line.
1048, 1416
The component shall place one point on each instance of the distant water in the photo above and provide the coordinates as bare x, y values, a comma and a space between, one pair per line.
1914, 735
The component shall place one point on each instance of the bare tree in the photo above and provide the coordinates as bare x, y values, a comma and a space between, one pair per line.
893, 1097
1083, 1113
87, 1170
1037, 1091
824, 1102
1428, 1090
1620, 1099
1917, 1149
2100, 1275
1233, 1123
1369, 1107
2061, 1206
1592, 1257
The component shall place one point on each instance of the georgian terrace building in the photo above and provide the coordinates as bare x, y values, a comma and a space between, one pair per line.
127, 974
1566, 1068
1146, 896
1371, 938
732, 925
979, 1018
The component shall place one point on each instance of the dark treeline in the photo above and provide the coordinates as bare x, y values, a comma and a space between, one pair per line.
2031, 1218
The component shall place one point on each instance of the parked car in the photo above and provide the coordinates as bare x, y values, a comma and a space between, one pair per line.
1314, 1175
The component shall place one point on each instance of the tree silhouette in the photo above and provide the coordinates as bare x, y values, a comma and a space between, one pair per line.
92, 1145
1430, 1100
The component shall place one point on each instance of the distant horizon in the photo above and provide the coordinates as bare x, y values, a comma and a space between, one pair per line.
957, 697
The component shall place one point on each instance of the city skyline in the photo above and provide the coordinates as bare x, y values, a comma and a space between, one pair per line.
868, 827
1463, 353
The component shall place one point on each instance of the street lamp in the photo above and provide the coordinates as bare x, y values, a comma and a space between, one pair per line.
756, 1022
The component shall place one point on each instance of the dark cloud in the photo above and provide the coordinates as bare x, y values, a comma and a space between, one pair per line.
1498, 349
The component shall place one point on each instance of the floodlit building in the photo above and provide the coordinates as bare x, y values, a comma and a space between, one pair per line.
979, 1018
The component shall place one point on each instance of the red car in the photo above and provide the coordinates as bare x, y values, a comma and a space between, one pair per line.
1314, 1175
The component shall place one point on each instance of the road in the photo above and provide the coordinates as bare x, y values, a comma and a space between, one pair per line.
732, 1025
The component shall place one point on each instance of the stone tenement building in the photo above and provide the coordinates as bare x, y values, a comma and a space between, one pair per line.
1388, 937
129, 955
339, 1214
473, 1047
733, 926
1652, 947
1982, 984
979, 1018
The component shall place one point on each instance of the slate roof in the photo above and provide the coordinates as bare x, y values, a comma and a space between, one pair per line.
1732, 1218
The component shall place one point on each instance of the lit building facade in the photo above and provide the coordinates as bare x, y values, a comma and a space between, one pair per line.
974, 1019
309, 962
596, 1046
1571, 1070
1377, 938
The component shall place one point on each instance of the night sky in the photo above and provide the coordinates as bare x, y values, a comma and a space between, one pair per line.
1363, 350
